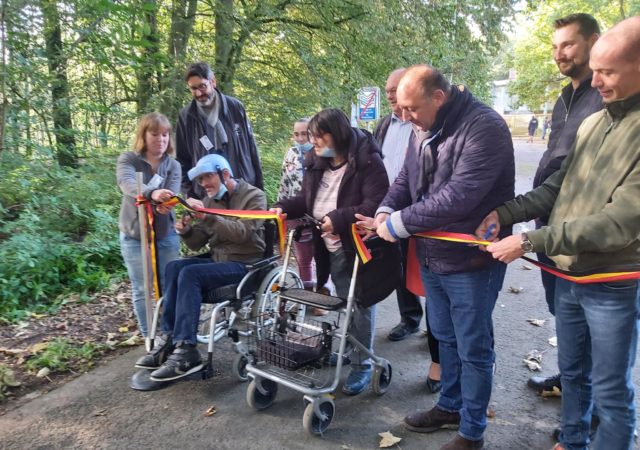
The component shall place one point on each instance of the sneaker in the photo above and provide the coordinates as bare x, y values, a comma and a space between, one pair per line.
401, 331
333, 360
357, 381
162, 348
184, 361
460, 443
432, 420
546, 384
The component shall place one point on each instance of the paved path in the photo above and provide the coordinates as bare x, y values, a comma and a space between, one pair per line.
98, 410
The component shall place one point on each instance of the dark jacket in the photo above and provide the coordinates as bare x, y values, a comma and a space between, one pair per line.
571, 108
244, 159
380, 132
472, 173
363, 186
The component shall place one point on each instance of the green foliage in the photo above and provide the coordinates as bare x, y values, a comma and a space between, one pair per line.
63, 354
271, 156
58, 232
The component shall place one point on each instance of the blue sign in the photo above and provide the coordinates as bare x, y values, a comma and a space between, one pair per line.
368, 104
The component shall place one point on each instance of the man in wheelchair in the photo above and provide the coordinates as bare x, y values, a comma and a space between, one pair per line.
232, 242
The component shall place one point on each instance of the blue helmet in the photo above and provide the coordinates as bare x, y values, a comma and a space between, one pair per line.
209, 164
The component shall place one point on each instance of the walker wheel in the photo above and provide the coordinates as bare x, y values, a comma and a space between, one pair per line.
261, 393
315, 424
239, 367
381, 377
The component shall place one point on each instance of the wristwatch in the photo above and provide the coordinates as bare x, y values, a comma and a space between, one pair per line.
526, 244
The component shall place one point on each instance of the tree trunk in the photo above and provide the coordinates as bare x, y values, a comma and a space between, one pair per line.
57, 62
183, 17
147, 70
224, 70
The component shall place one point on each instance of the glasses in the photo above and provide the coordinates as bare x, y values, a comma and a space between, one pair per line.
202, 87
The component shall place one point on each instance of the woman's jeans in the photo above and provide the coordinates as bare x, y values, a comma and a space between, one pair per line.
186, 280
460, 308
168, 249
363, 319
597, 332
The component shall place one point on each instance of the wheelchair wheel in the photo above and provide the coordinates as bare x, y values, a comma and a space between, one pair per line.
381, 377
239, 367
261, 400
266, 297
316, 425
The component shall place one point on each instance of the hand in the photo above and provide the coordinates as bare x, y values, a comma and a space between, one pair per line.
367, 226
161, 195
384, 233
161, 209
326, 225
195, 203
184, 224
277, 211
508, 249
490, 223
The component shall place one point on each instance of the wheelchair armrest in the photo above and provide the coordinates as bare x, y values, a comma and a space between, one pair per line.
261, 263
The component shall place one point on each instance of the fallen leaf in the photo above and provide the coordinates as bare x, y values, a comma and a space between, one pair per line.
345, 447
536, 322
101, 412
133, 340
525, 267
388, 439
532, 365
22, 325
43, 372
123, 329
40, 346
210, 411
535, 355
554, 393
553, 341
7, 378
490, 412
515, 290
37, 316
11, 351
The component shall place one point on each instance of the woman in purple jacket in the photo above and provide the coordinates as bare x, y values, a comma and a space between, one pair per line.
344, 175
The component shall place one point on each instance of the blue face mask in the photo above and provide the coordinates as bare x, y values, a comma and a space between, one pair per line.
304, 148
327, 152
221, 192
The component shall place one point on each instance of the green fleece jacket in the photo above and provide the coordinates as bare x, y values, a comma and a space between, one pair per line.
594, 199
231, 239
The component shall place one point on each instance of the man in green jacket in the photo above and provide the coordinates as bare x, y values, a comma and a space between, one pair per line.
594, 226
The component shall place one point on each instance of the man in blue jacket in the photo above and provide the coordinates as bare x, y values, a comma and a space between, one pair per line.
459, 165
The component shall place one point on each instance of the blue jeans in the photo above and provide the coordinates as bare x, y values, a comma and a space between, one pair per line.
168, 249
186, 280
363, 319
460, 308
597, 333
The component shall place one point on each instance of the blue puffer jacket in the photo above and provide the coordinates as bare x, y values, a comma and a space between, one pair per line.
471, 172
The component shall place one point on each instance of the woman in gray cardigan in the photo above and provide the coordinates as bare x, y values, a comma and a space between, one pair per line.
161, 179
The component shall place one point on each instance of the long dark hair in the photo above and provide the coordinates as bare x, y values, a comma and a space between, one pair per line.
336, 123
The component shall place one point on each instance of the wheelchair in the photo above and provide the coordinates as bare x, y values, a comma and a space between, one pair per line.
236, 310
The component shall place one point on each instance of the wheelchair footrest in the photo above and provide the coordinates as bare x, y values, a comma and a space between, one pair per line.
313, 299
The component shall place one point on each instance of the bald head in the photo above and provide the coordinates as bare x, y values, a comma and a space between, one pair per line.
615, 61
391, 87
421, 93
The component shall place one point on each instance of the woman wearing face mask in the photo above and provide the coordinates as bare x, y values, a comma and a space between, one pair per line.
290, 186
161, 178
344, 176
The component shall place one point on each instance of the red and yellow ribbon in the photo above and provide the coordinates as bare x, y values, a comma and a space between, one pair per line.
576, 277
361, 248
140, 200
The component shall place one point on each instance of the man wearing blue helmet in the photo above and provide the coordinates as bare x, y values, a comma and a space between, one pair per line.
232, 242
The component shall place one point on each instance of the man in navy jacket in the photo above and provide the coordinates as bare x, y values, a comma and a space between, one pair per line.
459, 165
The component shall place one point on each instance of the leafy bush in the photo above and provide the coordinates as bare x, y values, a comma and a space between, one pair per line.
271, 156
62, 355
58, 234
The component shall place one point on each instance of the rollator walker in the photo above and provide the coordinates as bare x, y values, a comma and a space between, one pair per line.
290, 350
